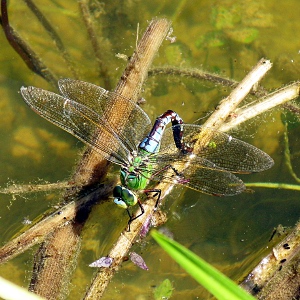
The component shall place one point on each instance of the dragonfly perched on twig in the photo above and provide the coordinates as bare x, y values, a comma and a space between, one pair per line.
143, 153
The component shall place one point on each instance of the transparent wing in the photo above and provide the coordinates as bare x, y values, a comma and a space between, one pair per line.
196, 173
223, 150
78, 120
100, 101
210, 170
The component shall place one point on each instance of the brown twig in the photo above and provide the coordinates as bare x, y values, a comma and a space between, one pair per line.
103, 71
48, 270
26, 53
18, 189
54, 36
229, 104
39, 231
258, 91
278, 97
129, 85
277, 275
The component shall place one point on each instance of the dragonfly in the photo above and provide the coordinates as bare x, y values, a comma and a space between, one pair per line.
144, 152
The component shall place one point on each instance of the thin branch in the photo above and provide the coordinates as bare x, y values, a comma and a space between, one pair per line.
258, 91
229, 104
55, 37
192, 73
103, 71
18, 189
39, 231
274, 185
276, 276
26, 53
131, 82
272, 100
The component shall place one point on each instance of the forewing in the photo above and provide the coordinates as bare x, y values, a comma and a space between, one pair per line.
76, 119
223, 150
100, 101
93, 130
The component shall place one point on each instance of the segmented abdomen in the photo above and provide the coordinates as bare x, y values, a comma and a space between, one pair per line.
151, 143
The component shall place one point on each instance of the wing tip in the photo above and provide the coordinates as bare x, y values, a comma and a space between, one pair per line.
25, 92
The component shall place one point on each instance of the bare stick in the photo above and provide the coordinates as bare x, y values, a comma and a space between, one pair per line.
60, 255
26, 53
229, 104
277, 273
53, 34
18, 189
272, 100
131, 81
89, 23
37, 232
48, 275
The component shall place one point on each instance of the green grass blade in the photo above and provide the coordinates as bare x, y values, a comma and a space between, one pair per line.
209, 277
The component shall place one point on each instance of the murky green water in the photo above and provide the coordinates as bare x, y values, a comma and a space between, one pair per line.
225, 37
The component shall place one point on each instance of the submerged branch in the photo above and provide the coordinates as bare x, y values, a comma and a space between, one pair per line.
192, 73
129, 86
257, 90
272, 100
229, 104
18, 189
26, 53
54, 36
103, 71
37, 232
277, 275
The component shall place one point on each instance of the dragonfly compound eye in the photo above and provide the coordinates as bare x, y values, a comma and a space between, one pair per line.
123, 197
120, 203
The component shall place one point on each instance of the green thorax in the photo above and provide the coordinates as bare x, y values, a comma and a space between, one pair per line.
136, 176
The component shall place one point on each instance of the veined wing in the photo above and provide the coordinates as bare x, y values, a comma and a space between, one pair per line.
100, 100
223, 150
198, 174
78, 120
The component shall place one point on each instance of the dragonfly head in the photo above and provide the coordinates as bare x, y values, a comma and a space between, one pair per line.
123, 197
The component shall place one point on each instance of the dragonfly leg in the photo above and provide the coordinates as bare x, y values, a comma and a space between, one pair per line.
131, 217
165, 168
157, 193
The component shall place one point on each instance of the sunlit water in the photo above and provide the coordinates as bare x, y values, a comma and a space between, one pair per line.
228, 232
